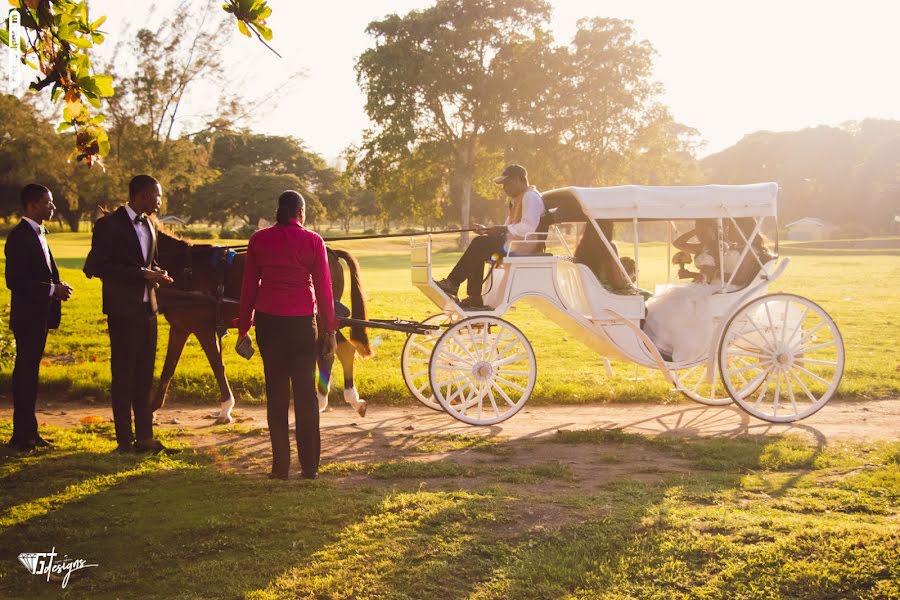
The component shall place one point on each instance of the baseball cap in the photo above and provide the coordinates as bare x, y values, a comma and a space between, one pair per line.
512, 171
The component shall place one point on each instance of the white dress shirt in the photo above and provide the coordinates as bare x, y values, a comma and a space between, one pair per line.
39, 230
532, 211
144, 237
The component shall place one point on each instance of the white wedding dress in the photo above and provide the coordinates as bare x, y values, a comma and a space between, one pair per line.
680, 319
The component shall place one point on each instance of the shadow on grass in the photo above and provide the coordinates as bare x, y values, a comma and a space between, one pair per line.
179, 528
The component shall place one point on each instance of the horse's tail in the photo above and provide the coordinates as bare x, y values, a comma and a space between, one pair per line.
359, 337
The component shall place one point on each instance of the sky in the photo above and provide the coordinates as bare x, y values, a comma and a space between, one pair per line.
728, 68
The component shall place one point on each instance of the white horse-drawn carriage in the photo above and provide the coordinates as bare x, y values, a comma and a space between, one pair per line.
780, 357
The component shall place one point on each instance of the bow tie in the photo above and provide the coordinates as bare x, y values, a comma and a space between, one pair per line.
140, 219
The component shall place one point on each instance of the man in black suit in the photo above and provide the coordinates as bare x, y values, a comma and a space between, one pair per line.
33, 280
123, 255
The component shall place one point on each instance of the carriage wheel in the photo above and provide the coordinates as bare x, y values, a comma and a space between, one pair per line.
482, 370
415, 358
782, 357
702, 385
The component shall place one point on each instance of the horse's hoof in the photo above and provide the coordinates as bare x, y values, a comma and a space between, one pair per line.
224, 420
361, 408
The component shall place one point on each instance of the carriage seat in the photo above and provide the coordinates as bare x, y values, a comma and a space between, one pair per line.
583, 294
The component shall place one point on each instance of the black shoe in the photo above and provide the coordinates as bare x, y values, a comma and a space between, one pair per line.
474, 304
309, 475
448, 287
278, 476
21, 446
153, 447
42, 443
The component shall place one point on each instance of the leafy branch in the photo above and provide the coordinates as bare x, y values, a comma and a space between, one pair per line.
251, 15
58, 37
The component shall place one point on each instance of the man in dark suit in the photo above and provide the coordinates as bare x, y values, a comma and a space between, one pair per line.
123, 255
33, 279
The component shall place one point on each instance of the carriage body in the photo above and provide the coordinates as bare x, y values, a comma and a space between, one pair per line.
568, 293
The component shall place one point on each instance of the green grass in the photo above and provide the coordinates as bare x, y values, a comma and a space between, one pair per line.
859, 290
775, 517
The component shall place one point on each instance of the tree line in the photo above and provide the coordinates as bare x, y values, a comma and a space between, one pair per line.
453, 92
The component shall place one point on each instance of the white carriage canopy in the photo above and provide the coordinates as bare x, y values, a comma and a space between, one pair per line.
663, 202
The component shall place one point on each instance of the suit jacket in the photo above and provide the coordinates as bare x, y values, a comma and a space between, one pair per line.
116, 258
28, 279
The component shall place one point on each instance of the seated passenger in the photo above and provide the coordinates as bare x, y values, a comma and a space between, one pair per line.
705, 251
525, 209
591, 251
758, 255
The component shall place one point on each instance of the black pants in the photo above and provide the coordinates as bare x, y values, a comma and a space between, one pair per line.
470, 267
132, 340
30, 342
288, 349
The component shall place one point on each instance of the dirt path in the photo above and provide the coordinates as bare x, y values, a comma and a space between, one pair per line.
876, 419
397, 434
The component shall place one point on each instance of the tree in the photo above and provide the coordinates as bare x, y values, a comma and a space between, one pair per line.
57, 43
432, 79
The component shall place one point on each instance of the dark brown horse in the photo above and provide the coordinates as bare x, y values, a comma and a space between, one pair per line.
204, 301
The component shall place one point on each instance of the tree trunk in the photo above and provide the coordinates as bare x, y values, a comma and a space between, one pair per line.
466, 177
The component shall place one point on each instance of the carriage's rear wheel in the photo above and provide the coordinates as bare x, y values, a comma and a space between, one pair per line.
416, 356
482, 370
702, 384
781, 357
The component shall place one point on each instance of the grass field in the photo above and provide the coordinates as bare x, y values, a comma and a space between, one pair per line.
594, 514
860, 288
403, 513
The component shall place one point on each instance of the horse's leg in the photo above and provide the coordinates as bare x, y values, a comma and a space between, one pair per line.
326, 368
345, 353
210, 344
177, 338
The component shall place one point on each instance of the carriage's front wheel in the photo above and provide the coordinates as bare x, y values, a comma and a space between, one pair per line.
415, 358
482, 370
781, 357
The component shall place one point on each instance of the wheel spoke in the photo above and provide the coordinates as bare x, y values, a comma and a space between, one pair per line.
419, 374
799, 326
474, 343
759, 365
762, 336
754, 383
511, 372
510, 360
509, 383
787, 311
809, 394
493, 401
423, 349
418, 360
814, 376
812, 348
497, 337
461, 345
790, 388
456, 356
503, 394
422, 387
765, 389
750, 354
777, 398
811, 332
811, 361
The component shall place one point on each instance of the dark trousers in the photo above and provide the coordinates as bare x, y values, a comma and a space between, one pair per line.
470, 267
288, 349
132, 340
30, 342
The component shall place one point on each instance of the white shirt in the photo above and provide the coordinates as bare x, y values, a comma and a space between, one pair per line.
532, 210
39, 230
144, 237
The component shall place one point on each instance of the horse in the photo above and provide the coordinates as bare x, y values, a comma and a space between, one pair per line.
204, 301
